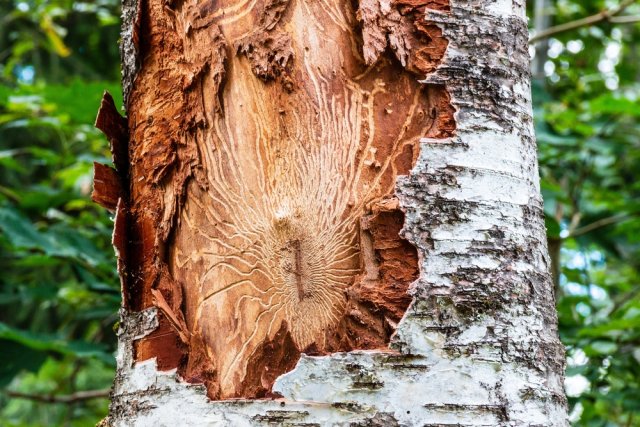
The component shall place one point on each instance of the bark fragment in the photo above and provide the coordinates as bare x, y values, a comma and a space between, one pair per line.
107, 189
268, 48
400, 26
115, 128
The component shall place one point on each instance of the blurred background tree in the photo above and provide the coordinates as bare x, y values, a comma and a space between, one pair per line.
59, 292
586, 89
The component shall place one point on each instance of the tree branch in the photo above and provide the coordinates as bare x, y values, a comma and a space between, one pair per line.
630, 19
67, 399
599, 224
606, 15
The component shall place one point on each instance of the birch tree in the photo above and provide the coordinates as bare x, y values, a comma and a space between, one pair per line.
328, 213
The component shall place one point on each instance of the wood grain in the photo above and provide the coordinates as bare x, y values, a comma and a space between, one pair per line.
266, 138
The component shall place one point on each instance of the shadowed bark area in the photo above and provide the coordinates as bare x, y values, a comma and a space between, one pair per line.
265, 142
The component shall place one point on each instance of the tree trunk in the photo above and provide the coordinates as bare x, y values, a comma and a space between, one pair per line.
328, 213
541, 21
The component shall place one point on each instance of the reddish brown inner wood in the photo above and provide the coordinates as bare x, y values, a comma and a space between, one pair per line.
265, 140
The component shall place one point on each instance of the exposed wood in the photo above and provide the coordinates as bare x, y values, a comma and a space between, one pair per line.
261, 135
107, 189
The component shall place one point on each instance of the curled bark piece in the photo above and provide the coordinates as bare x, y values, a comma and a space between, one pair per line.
114, 126
267, 47
107, 189
401, 26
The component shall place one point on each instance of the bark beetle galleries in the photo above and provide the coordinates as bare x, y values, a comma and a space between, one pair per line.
265, 140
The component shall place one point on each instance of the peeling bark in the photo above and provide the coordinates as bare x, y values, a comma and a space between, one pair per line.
400, 26
298, 191
254, 229
107, 189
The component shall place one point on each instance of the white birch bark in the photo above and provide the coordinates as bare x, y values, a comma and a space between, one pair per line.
479, 344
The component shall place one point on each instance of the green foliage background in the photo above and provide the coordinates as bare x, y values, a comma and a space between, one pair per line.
59, 292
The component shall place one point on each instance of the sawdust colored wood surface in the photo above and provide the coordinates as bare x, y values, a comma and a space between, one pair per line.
265, 140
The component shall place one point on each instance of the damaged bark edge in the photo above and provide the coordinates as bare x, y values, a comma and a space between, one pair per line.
107, 189
111, 184
128, 48
111, 187
372, 314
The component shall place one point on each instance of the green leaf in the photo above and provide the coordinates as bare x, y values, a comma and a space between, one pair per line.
15, 358
553, 227
602, 347
21, 232
611, 104
52, 343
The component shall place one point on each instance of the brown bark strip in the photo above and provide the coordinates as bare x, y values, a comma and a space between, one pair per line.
275, 356
111, 190
177, 322
164, 344
115, 128
120, 245
265, 141
107, 189
400, 26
